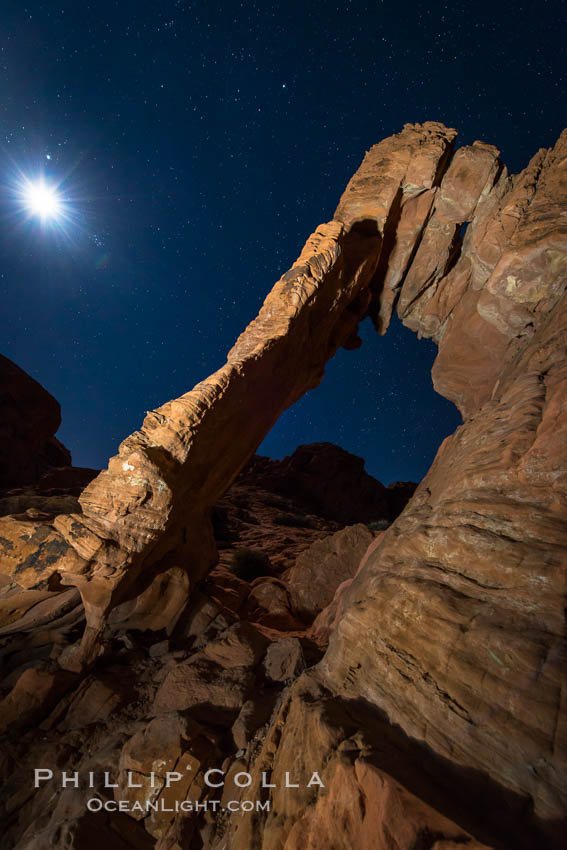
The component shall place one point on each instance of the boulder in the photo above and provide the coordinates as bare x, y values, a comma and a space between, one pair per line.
269, 605
327, 619
241, 645
204, 685
284, 660
319, 570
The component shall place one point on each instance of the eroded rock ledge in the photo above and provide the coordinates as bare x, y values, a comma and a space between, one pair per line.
454, 628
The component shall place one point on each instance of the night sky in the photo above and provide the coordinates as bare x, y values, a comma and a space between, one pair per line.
197, 145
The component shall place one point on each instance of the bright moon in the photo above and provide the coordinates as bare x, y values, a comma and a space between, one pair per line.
42, 200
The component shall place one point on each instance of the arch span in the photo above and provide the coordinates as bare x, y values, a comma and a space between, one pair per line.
397, 242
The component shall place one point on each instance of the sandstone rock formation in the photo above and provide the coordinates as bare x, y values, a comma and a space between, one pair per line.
437, 715
455, 625
330, 482
29, 418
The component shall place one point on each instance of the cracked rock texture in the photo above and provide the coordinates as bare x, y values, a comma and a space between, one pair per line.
437, 714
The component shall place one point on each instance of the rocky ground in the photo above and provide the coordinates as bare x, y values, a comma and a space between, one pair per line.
195, 694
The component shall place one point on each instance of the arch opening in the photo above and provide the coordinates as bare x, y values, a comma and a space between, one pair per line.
377, 403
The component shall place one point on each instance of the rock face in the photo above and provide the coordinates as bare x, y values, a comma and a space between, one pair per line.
437, 714
330, 482
455, 625
29, 418
56, 491
366, 775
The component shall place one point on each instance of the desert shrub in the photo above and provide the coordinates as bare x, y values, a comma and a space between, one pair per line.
249, 564
379, 524
294, 520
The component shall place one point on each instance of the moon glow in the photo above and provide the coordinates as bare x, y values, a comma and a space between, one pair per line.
42, 200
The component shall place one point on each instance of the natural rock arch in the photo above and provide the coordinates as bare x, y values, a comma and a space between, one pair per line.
477, 559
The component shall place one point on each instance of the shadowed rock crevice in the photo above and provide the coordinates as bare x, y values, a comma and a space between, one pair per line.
388, 243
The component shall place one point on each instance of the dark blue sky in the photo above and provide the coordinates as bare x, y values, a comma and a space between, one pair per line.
199, 145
